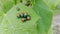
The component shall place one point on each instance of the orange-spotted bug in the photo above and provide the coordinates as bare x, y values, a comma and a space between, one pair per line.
28, 17
23, 19
24, 16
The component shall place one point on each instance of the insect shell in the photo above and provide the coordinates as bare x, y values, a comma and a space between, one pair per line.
25, 14
22, 15
28, 17
23, 19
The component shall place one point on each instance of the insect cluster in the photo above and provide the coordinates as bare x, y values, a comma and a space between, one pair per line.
24, 16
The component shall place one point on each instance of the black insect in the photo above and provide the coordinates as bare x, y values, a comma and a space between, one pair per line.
28, 17
23, 19
21, 15
24, 16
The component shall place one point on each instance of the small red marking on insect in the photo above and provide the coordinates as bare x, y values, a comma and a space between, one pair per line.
24, 16
23, 20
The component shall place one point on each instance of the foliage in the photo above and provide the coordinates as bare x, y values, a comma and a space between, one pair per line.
41, 13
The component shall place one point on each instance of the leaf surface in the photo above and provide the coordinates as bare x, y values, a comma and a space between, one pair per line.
46, 16
12, 25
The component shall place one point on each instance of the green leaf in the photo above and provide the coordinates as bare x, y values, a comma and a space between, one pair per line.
12, 25
50, 31
17, 1
44, 24
57, 10
6, 5
52, 3
1, 15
